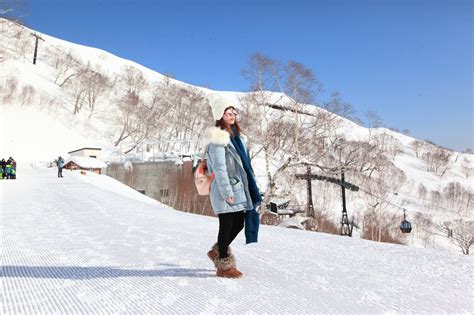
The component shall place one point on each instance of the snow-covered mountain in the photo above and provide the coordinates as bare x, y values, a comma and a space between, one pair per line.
40, 120
88, 244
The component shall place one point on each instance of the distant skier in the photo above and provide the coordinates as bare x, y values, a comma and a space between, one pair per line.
3, 164
60, 164
13, 163
8, 170
234, 193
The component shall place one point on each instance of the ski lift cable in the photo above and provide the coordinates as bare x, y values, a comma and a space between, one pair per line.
401, 207
427, 221
405, 226
383, 200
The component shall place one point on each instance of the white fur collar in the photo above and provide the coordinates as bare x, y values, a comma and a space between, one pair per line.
215, 135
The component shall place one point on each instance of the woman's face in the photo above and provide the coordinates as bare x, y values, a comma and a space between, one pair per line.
230, 115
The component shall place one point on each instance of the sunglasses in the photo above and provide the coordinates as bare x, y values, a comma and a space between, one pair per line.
231, 113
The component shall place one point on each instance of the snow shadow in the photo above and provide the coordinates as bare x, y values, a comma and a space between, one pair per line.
84, 273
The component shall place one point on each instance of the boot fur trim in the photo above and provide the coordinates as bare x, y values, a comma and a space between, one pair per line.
216, 248
226, 263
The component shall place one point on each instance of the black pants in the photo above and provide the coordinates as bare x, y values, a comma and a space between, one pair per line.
60, 172
230, 224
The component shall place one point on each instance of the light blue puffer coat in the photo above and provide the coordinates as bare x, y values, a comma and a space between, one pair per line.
230, 179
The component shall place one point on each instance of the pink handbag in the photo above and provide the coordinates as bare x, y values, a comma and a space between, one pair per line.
202, 179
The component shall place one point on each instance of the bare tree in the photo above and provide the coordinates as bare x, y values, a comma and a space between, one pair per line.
139, 120
422, 191
296, 135
96, 85
369, 158
378, 224
437, 161
133, 79
373, 121
289, 135
65, 64
456, 197
463, 234
459, 231
360, 157
84, 84
169, 76
435, 197
467, 167
142, 124
180, 102
16, 41
339, 107
301, 85
166, 111
126, 106
196, 126
185, 107
417, 145
323, 128
9, 90
26, 95
388, 145
77, 90
263, 74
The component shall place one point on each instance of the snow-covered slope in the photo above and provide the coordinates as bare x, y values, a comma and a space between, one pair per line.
88, 244
37, 124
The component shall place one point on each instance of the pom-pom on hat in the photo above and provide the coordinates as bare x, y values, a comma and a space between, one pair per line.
218, 106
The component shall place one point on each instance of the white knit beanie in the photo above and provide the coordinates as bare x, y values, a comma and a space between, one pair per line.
218, 105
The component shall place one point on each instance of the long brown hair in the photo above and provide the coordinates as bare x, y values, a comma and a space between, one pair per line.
221, 124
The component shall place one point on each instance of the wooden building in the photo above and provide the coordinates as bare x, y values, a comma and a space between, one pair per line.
85, 163
88, 152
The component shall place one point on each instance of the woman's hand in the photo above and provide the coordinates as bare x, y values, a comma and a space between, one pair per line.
230, 199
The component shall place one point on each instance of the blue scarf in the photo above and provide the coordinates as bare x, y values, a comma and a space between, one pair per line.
252, 219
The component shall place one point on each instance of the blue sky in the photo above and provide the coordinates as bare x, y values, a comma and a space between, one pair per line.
408, 60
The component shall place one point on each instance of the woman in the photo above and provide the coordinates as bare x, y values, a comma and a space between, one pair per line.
234, 193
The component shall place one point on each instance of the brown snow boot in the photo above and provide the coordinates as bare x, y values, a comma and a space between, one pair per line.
226, 267
214, 253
